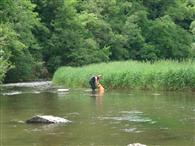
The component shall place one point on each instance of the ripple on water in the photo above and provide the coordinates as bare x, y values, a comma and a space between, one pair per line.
131, 112
129, 130
12, 93
29, 84
35, 92
73, 113
17, 121
131, 116
50, 128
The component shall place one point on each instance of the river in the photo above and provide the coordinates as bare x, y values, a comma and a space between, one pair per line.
119, 117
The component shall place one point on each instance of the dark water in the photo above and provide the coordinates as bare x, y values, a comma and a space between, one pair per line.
116, 118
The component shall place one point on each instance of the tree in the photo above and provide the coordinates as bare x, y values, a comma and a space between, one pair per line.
192, 29
54, 33
18, 22
4, 67
171, 40
135, 39
76, 34
182, 13
9, 46
158, 8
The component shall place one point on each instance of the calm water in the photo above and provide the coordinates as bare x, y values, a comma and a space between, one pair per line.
115, 118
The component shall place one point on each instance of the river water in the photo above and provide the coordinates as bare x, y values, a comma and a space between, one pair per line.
117, 118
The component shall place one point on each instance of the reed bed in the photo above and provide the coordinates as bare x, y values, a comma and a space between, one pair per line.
160, 75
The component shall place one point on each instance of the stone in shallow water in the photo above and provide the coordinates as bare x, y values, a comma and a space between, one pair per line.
47, 119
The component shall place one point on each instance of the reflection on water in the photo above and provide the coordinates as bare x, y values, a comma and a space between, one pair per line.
112, 118
98, 99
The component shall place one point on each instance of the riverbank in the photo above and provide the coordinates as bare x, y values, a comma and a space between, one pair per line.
160, 75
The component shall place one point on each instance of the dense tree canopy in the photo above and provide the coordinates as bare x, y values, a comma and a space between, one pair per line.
38, 36
18, 42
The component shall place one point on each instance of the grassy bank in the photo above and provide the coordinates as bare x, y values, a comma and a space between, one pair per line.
161, 75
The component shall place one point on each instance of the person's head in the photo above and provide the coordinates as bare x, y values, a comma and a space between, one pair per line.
99, 76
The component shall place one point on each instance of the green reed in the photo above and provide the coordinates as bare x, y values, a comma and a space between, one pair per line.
162, 75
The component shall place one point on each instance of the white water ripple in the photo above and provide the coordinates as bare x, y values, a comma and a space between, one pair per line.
12, 93
29, 84
130, 130
131, 116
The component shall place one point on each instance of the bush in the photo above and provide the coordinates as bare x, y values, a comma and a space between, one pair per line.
162, 75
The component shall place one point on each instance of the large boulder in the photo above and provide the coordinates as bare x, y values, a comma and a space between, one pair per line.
47, 119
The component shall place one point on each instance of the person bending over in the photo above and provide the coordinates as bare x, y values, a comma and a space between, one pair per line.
95, 83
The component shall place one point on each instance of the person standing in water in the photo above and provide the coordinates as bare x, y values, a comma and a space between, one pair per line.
95, 83
97, 95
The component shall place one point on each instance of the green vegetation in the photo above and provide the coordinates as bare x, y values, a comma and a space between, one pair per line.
18, 44
38, 36
4, 67
161, 75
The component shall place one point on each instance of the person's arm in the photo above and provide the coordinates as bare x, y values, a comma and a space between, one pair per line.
97, 81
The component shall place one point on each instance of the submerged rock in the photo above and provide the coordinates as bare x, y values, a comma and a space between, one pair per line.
47, 119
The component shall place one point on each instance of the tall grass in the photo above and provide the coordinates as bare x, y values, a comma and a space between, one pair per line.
162, 75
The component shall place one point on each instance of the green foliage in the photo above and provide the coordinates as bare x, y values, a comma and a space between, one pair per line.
9, 43
163, 75
182, 12
148, 52
23, 68
80, 30
55, 33
66, 37
192, 29
47, 10
17, 39
165, 35
77, 39
4, 67
89, 54
135, 39
158, 8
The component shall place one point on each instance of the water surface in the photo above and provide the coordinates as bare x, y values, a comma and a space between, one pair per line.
115, 118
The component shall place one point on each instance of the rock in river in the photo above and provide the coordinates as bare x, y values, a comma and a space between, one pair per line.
47, 119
